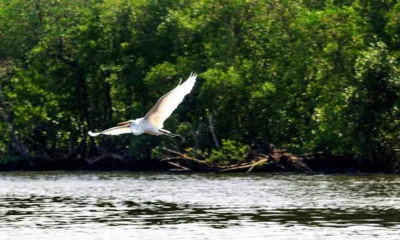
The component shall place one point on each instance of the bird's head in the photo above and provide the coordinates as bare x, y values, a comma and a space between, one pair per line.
133, 124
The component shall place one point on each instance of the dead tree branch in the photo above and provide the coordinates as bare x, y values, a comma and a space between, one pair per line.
256, 164
179, 166
183, 156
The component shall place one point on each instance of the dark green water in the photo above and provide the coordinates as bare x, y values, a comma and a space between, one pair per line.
160, 206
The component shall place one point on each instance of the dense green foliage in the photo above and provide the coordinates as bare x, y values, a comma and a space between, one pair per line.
304, 75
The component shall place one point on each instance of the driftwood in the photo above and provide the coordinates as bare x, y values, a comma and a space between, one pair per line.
278, 160
235, 168
256, 164
181, 156
184, 162
179, 166
250, 167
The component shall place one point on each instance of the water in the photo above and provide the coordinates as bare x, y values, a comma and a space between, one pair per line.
162, 206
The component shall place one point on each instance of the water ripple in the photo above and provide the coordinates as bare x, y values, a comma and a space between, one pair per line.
308, 205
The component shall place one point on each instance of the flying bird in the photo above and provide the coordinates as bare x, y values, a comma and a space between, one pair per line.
153, 122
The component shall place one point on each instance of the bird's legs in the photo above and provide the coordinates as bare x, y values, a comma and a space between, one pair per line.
169, 134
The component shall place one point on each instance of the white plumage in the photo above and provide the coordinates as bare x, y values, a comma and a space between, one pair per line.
153, 122
113, 131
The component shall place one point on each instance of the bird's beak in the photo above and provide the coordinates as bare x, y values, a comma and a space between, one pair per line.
123, 123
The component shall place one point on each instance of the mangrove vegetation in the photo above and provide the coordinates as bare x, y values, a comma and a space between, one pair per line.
275, 76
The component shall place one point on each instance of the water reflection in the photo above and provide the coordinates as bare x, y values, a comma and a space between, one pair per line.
81, 210
312, 203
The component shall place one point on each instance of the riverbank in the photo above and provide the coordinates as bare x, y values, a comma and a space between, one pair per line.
276, 161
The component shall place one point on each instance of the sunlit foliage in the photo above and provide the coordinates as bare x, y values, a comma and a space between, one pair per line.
304, 75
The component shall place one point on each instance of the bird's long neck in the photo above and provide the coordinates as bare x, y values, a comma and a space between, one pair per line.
138, 121
136, 126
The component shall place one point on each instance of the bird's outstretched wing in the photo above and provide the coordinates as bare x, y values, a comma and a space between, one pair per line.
113, 131
169, 102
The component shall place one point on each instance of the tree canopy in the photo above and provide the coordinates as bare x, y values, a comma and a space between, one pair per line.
307, 76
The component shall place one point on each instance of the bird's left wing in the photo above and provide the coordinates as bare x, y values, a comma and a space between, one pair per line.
113, 131
169, 102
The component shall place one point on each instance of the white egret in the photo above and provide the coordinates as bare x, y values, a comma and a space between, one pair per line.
153, 122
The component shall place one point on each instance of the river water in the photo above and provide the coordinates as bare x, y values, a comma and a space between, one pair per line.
76, 206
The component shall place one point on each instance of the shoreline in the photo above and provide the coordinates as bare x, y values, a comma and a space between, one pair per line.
276, 162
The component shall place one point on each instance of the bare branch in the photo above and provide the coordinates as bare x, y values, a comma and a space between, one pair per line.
256, 164
179, 166
182, 156
170, 159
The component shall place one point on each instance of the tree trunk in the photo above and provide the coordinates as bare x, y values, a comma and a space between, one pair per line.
13, 137
83, 103
211, 126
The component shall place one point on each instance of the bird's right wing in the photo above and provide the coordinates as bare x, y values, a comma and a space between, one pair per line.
113, 131
169, 102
